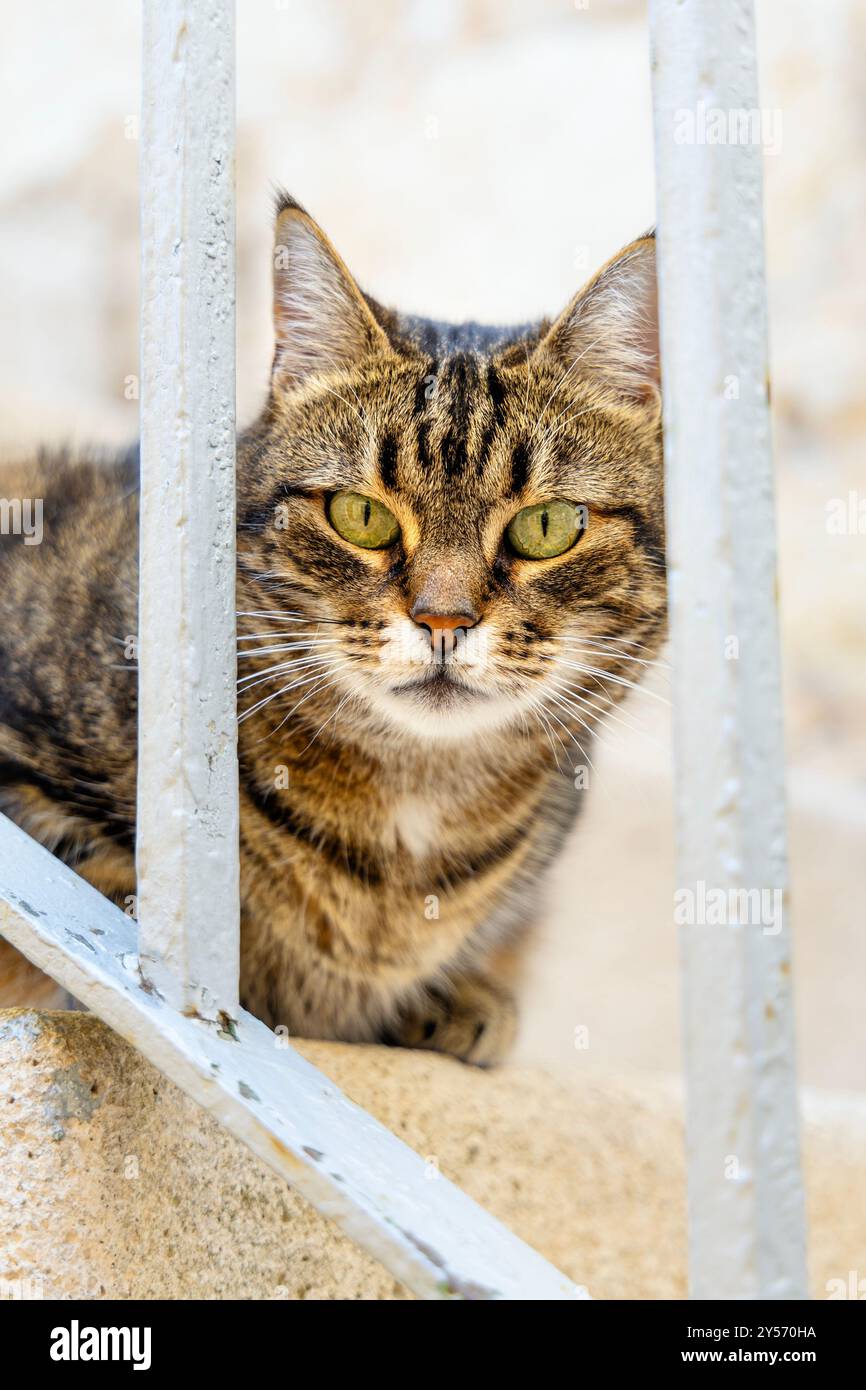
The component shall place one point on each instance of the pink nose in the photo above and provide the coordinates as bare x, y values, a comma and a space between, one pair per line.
443, 627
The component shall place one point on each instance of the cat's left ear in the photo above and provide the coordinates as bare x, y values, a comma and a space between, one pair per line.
610, 331
322, 321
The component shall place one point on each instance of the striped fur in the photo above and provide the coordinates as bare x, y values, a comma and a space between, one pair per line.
395, 830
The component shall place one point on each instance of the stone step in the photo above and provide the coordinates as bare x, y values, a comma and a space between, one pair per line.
114, 1185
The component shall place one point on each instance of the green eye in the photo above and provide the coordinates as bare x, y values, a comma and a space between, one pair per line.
547, 529
362, 520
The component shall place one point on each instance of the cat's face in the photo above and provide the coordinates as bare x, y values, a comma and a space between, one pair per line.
446, 538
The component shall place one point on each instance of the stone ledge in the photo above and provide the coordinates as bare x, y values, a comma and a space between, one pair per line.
114, 1185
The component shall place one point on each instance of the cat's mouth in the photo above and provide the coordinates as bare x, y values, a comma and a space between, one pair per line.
439, 687
441, 704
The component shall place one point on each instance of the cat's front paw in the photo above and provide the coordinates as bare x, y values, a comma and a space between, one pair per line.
471, 1019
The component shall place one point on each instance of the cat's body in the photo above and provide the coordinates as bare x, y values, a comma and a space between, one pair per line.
414, 772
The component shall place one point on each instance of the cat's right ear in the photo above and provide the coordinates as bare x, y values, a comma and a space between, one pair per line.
610, 331
322, 322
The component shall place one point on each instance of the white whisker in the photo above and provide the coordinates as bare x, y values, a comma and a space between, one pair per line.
266, 636
256, 677
289, 647
573, 645
315, 691
571, 734
282, 691
536, 708
602, 713
618, 680
291, 615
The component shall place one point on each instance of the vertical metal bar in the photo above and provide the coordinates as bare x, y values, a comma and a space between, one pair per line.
746, 1219
187, 846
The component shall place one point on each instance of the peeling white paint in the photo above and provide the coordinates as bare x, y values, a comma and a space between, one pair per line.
746, 1215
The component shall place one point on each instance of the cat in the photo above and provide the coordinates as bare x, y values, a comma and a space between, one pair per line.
450, 568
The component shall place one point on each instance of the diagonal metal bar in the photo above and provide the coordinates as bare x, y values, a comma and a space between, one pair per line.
430, 1235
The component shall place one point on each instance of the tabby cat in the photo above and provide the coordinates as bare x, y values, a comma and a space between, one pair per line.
450, 567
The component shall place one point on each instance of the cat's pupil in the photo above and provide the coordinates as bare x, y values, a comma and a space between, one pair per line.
367, 511
545, 522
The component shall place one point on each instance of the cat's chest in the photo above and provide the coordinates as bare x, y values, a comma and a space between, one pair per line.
416, 824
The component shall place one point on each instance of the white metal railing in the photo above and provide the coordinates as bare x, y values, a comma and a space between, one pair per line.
173, 993
187, 832
746, 1220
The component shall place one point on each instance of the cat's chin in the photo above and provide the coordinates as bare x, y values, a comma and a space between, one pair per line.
437, 710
